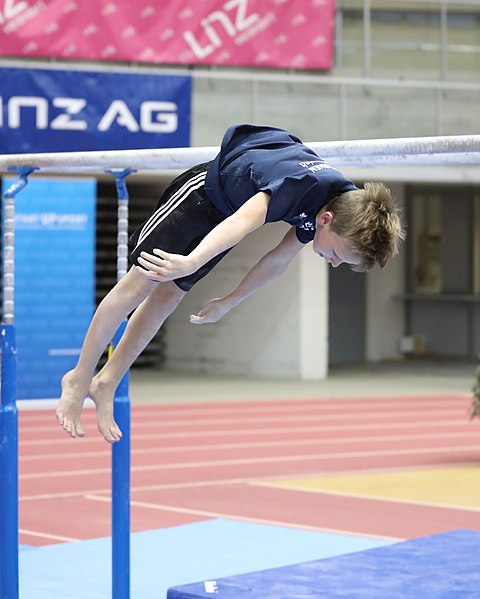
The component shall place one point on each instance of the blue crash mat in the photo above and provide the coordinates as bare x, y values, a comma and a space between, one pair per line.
444, 566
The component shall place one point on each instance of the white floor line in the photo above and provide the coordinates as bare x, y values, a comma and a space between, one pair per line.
94, 437
158, 487
45, 535
320, 404
323, 405
209, 514
209, 423
250, 461
254, 444
235, 481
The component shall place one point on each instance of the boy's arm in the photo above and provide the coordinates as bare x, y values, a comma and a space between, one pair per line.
162, 266
267, 269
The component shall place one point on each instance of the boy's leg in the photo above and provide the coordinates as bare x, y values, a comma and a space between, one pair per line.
142, 326
127, 294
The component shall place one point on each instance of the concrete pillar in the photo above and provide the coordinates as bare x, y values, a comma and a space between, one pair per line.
313, 315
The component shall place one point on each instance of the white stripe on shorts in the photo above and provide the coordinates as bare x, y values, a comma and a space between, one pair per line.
177, 198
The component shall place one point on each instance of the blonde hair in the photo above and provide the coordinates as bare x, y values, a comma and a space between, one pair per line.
369, 222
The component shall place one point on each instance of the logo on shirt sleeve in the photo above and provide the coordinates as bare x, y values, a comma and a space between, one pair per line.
304, 221
314, 166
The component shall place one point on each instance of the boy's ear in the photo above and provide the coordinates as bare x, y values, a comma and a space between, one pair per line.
326, 218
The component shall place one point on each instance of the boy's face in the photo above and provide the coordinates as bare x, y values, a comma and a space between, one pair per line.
329, 245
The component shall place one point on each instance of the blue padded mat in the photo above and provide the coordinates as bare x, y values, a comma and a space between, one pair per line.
169, 557
444, 566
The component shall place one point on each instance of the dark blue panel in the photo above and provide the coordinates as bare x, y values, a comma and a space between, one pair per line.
442, 566
49, 110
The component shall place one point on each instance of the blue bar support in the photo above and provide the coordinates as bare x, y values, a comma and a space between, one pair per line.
121, 489
9, 587
9, 576
121, 408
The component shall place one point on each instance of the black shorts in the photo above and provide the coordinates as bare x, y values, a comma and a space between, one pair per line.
181, 219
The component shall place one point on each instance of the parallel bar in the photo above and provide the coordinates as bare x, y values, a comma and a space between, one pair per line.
465, 148
458, 159
412, 146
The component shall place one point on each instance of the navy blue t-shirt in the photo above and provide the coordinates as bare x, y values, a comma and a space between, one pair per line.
254, 159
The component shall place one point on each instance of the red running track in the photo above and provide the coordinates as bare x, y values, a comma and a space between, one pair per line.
193, 462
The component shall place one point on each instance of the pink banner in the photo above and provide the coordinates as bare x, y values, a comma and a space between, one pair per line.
263, 33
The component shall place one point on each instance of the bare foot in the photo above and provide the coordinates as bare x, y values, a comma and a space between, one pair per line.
71, 404
102, 395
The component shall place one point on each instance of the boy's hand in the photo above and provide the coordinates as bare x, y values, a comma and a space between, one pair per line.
162, 266
212, 312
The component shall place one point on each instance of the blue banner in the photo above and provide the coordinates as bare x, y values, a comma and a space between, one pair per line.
54, 280
49, 110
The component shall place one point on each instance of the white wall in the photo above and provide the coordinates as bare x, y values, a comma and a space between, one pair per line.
281, 331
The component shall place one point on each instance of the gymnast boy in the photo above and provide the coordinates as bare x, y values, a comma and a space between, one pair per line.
261, 175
